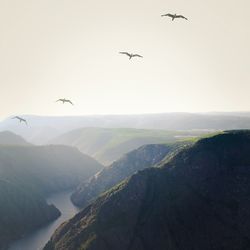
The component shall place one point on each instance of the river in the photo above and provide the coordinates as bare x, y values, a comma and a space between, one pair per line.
37, 239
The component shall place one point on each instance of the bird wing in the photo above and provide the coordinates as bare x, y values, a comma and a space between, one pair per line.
70, 102
20, 119
59, 100
125, 53
137, 55
170, 15
180, 16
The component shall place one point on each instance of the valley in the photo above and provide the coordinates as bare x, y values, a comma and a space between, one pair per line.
61, 199
124, 125
30, 173
38, 238
109, 144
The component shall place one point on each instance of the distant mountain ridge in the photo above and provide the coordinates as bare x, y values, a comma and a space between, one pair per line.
9, 138
109, 144
42, 129
199, 199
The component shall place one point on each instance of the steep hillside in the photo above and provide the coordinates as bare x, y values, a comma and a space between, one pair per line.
27, 175
197, 200
108, 145
22, 210
141, 158
9, 138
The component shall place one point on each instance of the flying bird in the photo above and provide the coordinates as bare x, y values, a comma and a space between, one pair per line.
174, 16
63, 100
130, 55
20, 119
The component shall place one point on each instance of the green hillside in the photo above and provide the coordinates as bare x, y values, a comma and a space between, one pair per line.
107, 145
136, 160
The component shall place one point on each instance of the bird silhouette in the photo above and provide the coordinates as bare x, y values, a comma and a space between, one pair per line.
63, 100
130, 55
174, 16
20, 119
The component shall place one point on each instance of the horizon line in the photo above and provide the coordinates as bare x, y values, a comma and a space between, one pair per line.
131, 114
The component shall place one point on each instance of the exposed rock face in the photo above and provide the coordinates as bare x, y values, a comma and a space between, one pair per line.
197, 200
144, 157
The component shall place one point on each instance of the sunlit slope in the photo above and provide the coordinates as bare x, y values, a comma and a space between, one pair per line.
136, 160
199, 199
107, 145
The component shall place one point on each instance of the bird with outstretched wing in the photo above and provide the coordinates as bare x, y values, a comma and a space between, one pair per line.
180, 16
174, 16
63, 100
20, 119
136, 55
130, 55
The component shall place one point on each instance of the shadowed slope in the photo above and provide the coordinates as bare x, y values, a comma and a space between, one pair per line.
27, 175
141, 158
197, 200
9, 138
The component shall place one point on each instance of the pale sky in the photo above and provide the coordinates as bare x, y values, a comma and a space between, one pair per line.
69, 48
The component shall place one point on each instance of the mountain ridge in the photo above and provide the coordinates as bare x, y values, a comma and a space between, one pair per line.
109, 144
136, 160
10, 138
196, 200
42, 129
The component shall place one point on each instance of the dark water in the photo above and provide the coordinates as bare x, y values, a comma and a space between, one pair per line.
37, 239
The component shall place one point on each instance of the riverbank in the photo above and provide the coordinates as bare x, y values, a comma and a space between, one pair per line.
37, 239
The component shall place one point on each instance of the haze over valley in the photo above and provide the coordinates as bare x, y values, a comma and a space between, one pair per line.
95, 164
124, 125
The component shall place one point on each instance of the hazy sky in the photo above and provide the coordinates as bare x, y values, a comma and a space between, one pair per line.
69, 48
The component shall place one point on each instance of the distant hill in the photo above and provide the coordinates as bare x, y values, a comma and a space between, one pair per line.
141, 158
199, 199
107, 145
27, 175
9, 138
42, 129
